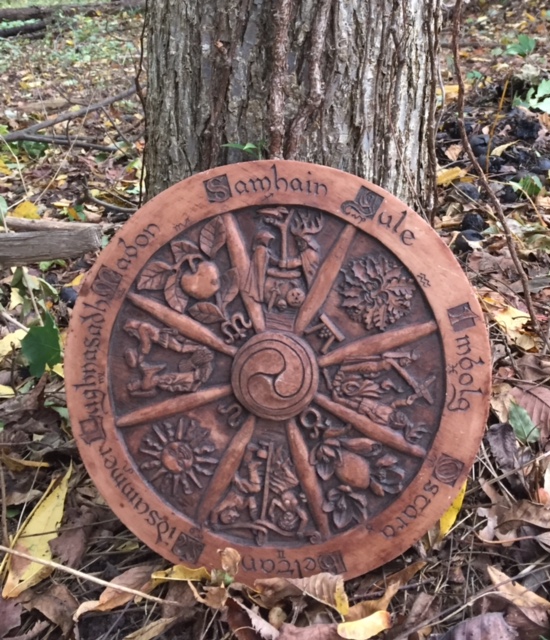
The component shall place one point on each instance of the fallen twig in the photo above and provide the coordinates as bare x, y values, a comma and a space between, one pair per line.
67, 115
32, 13
60, 140
109, 205
86, 576
485, 183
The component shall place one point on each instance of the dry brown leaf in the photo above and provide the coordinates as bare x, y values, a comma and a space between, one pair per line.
57, 604
10, 615
495, 514
181, 593
501, 400
151, 630
453, 151
515, 592
422, 609
489, 626
536, 401
214, 597
525, 512
138, 577
534, 367
247, 624
70, 545
230, 559
313, 632
325, 587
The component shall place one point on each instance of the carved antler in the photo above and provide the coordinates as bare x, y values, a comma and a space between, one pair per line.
304, 224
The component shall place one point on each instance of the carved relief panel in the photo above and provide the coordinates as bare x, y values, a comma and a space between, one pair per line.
281, 358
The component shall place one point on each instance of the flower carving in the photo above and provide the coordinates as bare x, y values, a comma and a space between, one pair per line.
376, 292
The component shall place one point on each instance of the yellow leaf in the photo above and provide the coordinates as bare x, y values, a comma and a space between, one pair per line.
26, 210
75, 282
497, 151
72, 213
512, 321
181, 572
34, 537
4, 168
62, 204
366, 627
446, 176
58, 369
449, 517
15, 299
11, 341
6, 392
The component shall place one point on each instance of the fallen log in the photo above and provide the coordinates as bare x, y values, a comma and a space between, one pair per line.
32, 13
39, 240
32, 27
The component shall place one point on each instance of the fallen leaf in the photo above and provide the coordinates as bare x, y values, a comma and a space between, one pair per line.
247, 624
11, 341
26, 210
449, 517
151, 630
214, 597
324, 587
392, 584
40, 527
69, 547
10, 616
453, 151
313, 632
524, 428
497, 151
181, 572
6, 392
446, 176
512, 322
515, 592
57, 604
138, 578
489, 626
366, 627
230, 559
536, 401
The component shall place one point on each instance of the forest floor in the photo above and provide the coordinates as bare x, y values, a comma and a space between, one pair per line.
481, 573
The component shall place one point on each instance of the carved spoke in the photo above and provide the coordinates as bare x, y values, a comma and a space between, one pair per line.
226, 470
184, 324
324, 280
241, 262
371, 429
172, 406
373, 345
308, 477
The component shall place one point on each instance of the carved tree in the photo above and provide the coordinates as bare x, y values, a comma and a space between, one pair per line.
346, 83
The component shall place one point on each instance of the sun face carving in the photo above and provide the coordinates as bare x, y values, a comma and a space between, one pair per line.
178, 456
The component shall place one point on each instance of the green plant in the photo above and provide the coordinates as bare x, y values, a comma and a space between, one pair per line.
528, 185
537, 97
524, 46
255, 150
522, 424
41, 346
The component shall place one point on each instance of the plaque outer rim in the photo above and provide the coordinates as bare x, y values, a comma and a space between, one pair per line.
459, 434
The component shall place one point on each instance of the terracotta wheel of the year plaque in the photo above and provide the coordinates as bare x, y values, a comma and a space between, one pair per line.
281, 358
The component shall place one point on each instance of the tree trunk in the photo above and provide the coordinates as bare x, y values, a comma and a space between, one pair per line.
346, 83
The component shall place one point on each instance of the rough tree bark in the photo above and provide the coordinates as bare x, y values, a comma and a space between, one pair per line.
346, 83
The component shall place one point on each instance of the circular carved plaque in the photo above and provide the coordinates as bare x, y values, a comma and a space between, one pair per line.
281, 358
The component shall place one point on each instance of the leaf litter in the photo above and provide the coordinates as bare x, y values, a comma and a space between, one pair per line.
483, 571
